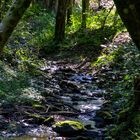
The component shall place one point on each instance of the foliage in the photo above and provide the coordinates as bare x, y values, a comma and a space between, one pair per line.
124, 62
4, 6
16, 87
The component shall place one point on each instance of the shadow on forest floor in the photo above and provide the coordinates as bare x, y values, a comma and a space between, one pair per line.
87, 43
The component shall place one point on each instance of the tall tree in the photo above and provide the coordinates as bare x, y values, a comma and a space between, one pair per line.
130, 15
69, 11
60, 20
11, 19
51, 5
129, 11
85, 8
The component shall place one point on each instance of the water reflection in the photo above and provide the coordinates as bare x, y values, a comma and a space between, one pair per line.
37, 138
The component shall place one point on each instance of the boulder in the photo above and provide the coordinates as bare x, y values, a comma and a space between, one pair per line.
68, 128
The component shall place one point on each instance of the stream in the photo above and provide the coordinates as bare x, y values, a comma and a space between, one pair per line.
77, 90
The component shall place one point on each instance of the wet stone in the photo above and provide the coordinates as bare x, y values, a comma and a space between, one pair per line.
100, 123
67, 91
69, 128
82, 78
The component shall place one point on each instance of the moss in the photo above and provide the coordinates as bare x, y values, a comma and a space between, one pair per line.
36, 116
74, 124
38, 106
40, 119
49, 120
69, 128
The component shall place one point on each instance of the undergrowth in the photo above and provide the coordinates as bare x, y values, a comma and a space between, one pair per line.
13, 85
124, 62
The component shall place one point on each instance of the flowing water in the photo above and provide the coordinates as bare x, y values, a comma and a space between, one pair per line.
81, 92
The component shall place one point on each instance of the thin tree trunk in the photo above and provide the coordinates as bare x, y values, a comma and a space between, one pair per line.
129, 10
56, 6
60, 21
85, 8
51, 5
11, 20
105, 19
47, 3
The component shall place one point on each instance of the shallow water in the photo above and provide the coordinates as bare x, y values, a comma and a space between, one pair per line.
88, 101
29, 138
37, 138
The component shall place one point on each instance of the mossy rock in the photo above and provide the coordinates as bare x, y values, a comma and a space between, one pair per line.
38, 119
68, 128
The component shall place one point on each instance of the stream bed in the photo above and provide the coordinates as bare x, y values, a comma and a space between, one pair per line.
77, 91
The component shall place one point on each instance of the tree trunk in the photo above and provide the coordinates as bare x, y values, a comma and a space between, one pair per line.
51, 5
69, 11
85, 8
11, 20
47, 3
60, 21
33, 2
56, 6
129, 11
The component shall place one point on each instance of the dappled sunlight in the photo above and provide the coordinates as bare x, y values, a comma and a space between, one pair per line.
31, 93
69, 71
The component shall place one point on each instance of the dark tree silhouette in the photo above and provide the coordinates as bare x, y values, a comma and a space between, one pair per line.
85, 8
129, 11
60, 20
11, 19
